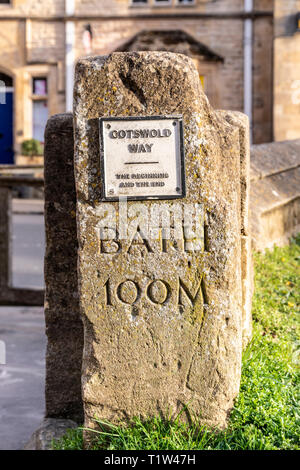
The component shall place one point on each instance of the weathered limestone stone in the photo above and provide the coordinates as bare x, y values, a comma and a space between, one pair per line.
49, 430
63, 323
275, 193
163, 328
240, 120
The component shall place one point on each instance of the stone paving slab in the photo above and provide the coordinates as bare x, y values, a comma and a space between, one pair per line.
28, 206
28, 246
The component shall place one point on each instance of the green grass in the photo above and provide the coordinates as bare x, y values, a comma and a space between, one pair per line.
266, 412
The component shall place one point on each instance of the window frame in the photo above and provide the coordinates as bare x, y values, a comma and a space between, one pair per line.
162, 3
9, 4
36, 96
139, 4
185, 3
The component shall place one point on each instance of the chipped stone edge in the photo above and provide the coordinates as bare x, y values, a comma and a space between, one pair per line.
49, 429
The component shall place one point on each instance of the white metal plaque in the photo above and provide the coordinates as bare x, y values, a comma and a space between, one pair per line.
142, 157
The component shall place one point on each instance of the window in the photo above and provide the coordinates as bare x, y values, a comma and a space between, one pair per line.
39, 107
39, 121
39, 86
162, 2
139, 2
202, 80
156, 3
185, 2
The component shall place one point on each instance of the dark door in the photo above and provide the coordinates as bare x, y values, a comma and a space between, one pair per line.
6, 120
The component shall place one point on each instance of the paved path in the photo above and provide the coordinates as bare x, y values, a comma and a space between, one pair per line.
22, 378
28, 244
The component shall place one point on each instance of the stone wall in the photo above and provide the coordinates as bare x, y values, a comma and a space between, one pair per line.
42, 8
124, 7
45, 42
225, 37
275, 193
264, 5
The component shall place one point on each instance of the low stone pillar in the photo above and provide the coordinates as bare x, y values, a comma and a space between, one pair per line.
63, 323
240, 120
5, 236
162, 313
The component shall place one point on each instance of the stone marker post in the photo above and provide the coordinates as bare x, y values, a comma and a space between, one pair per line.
159, 272
63, 323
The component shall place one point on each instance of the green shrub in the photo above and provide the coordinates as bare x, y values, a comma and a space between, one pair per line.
31, 148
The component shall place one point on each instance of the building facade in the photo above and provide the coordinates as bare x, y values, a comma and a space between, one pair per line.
230, 41
287, 70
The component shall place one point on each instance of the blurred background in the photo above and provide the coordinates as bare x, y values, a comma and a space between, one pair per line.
247, 53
